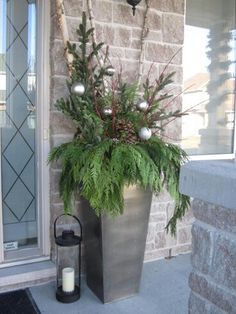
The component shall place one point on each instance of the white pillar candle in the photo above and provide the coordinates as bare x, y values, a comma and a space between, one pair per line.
68, 279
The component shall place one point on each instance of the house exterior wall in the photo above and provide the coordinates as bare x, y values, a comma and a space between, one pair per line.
116, 26
212, 280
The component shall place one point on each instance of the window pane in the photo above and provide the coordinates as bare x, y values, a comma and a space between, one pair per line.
209, 77
17, 123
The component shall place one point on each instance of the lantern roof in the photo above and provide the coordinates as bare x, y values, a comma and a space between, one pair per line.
68, 238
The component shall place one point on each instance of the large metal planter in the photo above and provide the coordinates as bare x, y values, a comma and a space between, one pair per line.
114, 247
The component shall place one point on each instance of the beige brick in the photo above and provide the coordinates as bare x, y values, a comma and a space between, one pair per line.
55, 29
56, 199
154, 20
73, 7
157, 217
158, 206
60, 124
156, 254
181, 249
170, 210
99, 32
54, 180
171, 240
173, 28
60, 139
150, 71
136, 33
135, 44
133, 54
53, 7
163, 53
58, 63
150, 246
163, 196
184, 235
116, 52
106, 34
172, 132
160, 240
188, 218
122, 37
178, 76
151, 233
122, 14
160, 226
176, 6
58, 89
73, 25
129, 69
154, 36
102, 11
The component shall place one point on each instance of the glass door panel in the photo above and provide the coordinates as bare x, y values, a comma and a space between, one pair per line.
18, 123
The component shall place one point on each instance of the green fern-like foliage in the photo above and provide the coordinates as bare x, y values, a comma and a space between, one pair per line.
106, 153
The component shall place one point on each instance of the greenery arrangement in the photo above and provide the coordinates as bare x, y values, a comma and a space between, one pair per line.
117, 140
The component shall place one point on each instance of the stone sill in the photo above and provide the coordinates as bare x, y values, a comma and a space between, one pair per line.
23, 276
210, 181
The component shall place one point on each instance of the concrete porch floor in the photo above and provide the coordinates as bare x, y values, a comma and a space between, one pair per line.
164, 290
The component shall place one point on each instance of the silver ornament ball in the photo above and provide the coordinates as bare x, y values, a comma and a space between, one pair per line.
78, 89
142, 105
107, 111
145, 133
110, 70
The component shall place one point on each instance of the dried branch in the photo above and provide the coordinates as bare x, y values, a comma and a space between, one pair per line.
60, 9
144, 34
92, 23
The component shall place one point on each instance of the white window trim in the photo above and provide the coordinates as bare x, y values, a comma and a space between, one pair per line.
1, 219
43, 99
230, 156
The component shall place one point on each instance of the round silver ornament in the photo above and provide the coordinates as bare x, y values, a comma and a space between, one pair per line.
110, 70
142, 105
107, 111
145, 133
78, 89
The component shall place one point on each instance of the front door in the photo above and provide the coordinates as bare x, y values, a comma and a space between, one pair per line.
18, 130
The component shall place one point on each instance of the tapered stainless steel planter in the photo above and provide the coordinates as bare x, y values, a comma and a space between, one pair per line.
114, 247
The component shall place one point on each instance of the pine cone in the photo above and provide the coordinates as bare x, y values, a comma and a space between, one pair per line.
125, 132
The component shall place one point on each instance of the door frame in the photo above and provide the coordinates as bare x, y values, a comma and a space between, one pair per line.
42, 144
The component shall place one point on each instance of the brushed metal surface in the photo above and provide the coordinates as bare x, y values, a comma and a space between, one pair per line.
114, 247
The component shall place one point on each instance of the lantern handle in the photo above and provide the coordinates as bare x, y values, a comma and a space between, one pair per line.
55, 224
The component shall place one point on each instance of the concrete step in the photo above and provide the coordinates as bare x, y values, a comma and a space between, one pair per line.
22, 276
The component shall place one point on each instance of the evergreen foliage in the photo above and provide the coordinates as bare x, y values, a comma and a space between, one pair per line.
106, 153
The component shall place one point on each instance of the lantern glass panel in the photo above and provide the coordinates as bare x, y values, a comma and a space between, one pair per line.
68, 257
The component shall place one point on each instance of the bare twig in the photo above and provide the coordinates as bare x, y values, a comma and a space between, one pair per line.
144, 34
176, 96
64, 29
92, 23
182, 114
169, 62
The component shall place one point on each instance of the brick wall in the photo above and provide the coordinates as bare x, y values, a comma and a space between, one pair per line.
213, 278
116, 26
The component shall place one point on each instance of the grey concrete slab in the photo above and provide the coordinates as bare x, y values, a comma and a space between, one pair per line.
210, 181
164, 290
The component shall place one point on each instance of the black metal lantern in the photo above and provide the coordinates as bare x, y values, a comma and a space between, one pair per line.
68, 259
133, 3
